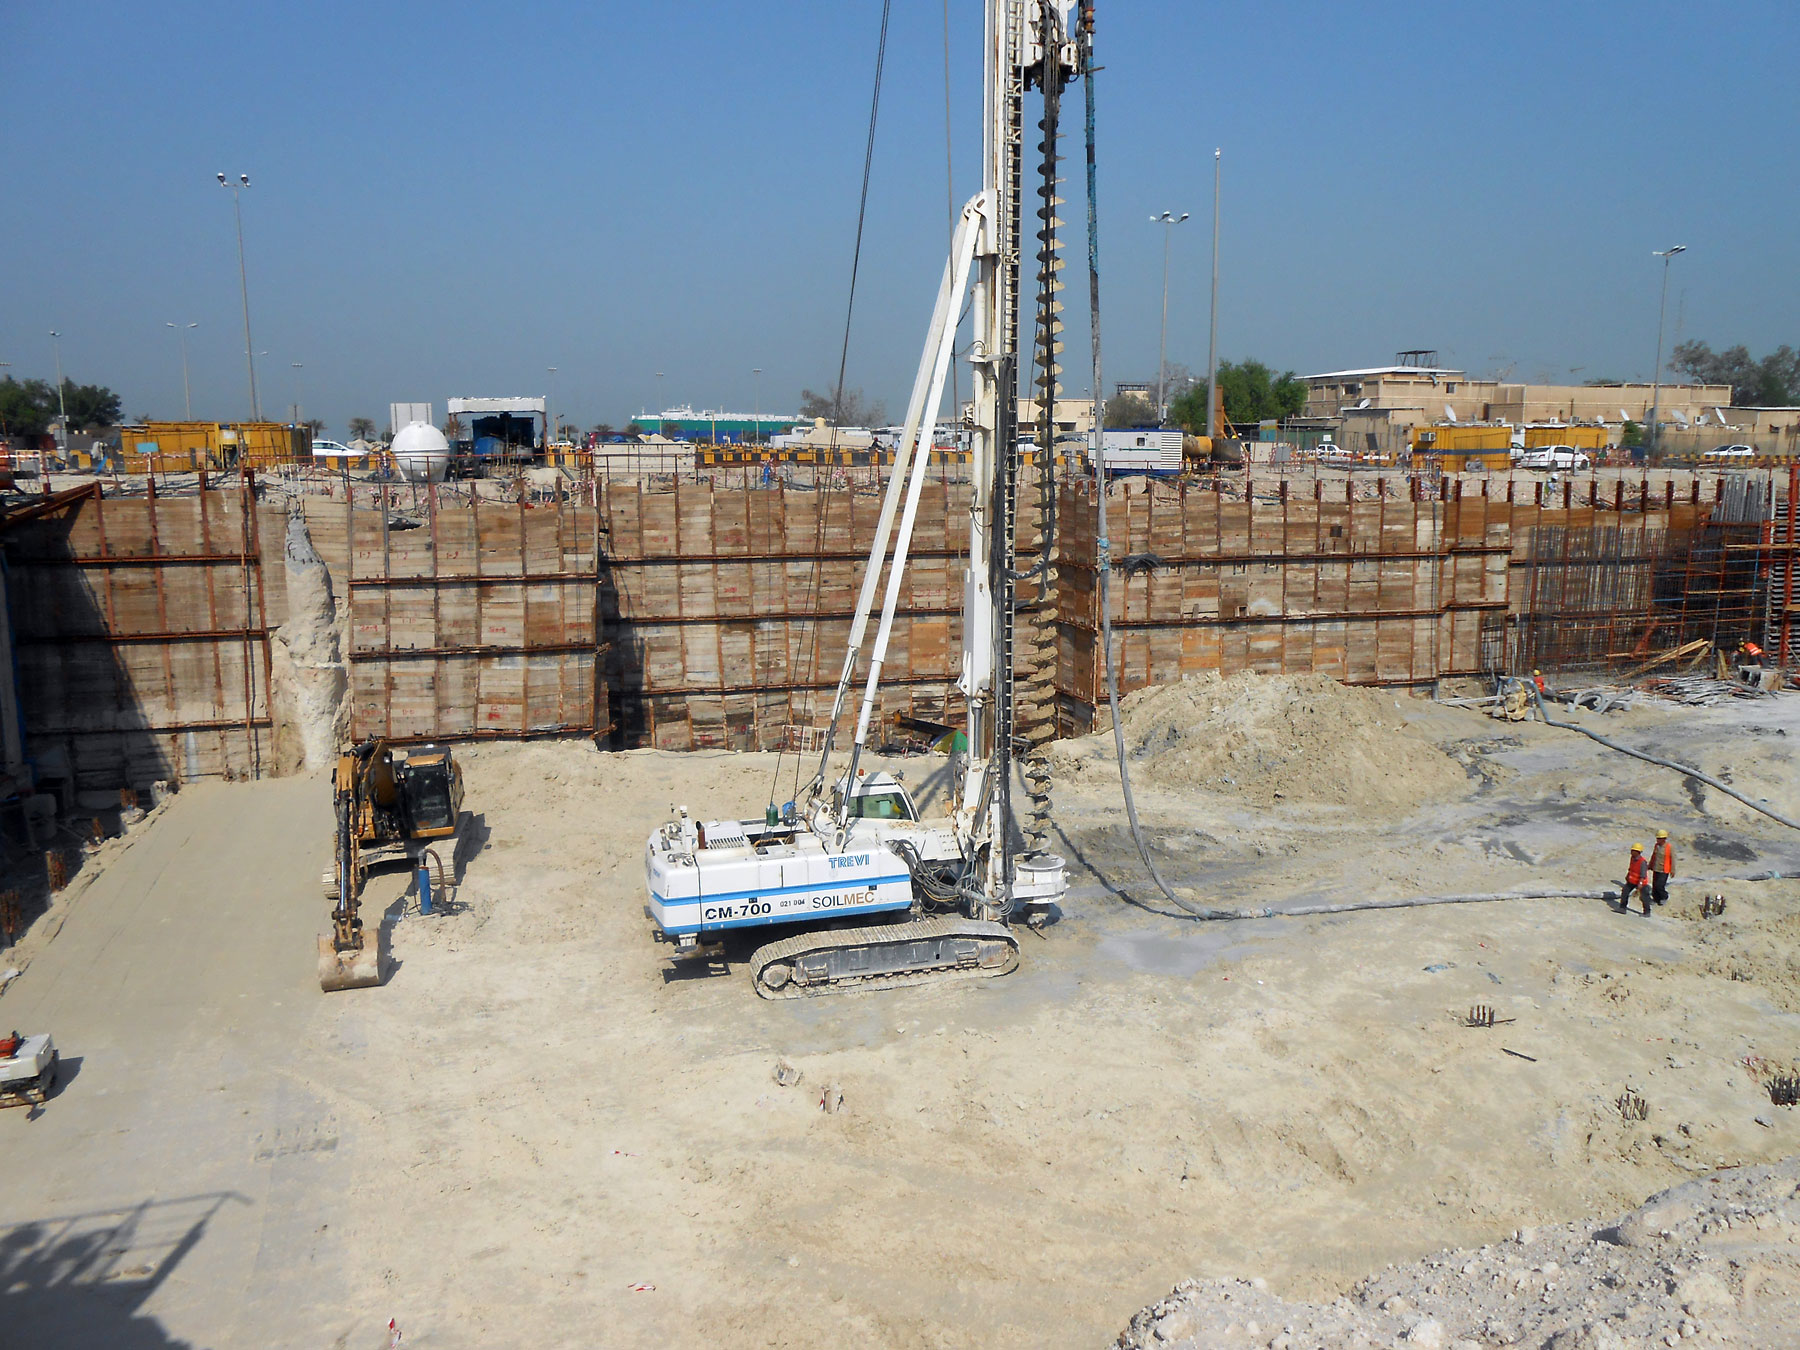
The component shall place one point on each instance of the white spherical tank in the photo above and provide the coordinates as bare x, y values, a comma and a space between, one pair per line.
421, 453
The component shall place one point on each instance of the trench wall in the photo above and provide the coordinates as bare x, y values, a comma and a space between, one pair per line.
141, 630
694, 615
467, 619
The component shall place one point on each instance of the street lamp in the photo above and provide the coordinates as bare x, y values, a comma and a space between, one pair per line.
549, 398
244, 286
757, 373
1212, 340
1167, 220
187, 397
298, 366
1662, 307
62, 409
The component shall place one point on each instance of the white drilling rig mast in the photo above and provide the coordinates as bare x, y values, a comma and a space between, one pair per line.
840, 842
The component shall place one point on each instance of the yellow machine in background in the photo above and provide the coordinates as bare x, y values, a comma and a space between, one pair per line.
390, 804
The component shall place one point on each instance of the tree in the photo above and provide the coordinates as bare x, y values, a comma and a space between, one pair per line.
361, 428
1773, 381
1177, 380
853, 411
1631, 433
315, 425
1252, 393
26, 407
633, 430
90, 405
1129, 410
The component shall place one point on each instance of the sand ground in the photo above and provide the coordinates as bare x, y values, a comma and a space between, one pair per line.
533, 1117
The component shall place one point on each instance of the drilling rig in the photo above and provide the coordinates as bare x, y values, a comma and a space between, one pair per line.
887, 898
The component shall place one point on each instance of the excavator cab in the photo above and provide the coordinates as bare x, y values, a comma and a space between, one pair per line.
431, 787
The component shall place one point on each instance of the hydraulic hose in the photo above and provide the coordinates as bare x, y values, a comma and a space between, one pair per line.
1102, 545
1689, 770
1478, 898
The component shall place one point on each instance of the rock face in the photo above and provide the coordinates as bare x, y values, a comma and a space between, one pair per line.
310, 706
1711, 1262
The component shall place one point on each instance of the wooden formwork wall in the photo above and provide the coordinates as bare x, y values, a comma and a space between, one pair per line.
141, 635
1388, 591
468, 619
730, 610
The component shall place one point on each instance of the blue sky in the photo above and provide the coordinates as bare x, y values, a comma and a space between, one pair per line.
451, 199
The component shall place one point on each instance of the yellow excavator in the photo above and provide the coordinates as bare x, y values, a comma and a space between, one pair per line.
391, 804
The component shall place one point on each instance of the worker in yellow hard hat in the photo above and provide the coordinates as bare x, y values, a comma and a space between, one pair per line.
1637, 878
1537, 678
1662, 867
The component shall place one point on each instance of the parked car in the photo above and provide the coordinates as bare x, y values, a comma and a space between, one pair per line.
326, 449
1728, 452
1554, 457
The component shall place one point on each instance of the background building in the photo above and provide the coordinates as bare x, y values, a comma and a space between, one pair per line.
1409, 395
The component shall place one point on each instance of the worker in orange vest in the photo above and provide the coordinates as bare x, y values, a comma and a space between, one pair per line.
1537, 678
1662, 867
1636, 879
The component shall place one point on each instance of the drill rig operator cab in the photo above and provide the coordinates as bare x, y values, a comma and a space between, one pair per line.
391, 805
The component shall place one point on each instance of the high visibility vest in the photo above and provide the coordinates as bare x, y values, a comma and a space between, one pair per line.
1635, 873
1662, 858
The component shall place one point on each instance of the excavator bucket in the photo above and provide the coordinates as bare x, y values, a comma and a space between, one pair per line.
356, 969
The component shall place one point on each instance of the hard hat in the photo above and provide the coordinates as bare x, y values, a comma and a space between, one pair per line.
1662, 834
1637, 848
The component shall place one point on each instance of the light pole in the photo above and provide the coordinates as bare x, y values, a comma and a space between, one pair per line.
757, 373
244, 286
1167, 220
187, 397
1212, 340
298, 367
1662, 307
549, 399
62, 409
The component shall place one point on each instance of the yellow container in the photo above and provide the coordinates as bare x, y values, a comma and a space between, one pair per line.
1448, 440
179, 446
1582, 438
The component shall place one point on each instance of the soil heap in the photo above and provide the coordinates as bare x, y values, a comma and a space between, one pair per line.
1711, 1262
1300, 738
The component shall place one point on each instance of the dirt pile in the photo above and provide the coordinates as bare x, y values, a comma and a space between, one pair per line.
1709, 1262
1298, 738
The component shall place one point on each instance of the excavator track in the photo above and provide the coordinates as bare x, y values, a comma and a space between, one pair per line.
886, 956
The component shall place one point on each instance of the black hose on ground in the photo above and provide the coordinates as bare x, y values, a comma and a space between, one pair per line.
1690, 771
1102, 545
1478, 898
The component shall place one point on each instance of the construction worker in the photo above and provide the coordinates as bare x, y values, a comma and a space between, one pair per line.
1750, 663
1537, 678
1662, 867
1636, 879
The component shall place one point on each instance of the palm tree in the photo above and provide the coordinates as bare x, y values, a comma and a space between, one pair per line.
361, 428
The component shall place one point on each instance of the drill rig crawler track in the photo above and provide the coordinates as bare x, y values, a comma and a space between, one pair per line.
884, 956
